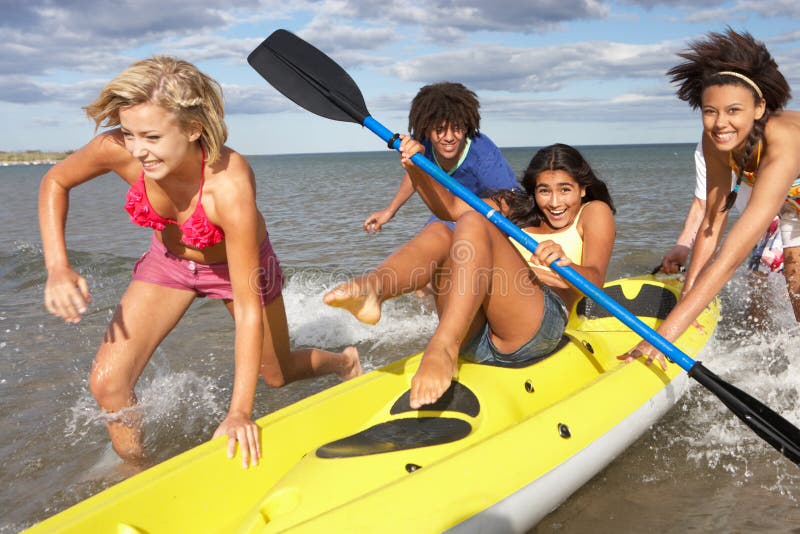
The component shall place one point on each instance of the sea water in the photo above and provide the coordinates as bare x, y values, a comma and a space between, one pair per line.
699, 469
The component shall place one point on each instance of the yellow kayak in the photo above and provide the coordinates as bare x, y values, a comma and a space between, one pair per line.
502, 448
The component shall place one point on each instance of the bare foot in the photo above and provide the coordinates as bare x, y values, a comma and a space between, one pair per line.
129, 467
353, 367
357, 296
436, 371
125, 430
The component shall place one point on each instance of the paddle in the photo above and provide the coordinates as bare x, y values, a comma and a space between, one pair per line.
315, 82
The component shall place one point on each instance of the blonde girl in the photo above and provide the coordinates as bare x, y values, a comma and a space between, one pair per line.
167, 141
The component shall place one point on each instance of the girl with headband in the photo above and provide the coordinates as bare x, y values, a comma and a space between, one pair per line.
732, 78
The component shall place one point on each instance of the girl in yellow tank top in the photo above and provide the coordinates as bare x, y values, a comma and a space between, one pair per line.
568, 210
492, 306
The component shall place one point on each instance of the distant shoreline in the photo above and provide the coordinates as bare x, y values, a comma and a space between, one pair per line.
35, 157
31, 157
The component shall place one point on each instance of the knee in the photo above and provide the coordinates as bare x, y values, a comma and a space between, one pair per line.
273, 379
110, 391
472, 220
474, 227
470, 217
440, 230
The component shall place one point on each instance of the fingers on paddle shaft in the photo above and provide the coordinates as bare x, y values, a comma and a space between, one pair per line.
308, 77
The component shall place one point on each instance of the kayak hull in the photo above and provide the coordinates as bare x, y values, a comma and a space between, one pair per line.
502, 449
530, 504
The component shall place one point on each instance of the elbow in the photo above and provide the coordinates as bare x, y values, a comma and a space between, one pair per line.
50, 189
247, 314
597, 278
45, 187
248, 317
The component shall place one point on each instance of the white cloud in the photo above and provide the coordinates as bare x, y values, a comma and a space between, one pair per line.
470, 15
539, 69
742, 10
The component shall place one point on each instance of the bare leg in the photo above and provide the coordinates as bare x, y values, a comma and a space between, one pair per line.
487, 275
144, 316
791, 270
280, 366
407, 269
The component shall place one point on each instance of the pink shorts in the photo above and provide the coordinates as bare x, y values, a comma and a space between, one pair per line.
160, 266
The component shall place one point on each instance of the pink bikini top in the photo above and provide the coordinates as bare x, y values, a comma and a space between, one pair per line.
197, 230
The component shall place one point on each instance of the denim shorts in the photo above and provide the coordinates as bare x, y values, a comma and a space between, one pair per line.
161, 267
480, 348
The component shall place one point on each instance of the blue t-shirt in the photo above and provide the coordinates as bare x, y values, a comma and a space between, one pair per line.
483, 171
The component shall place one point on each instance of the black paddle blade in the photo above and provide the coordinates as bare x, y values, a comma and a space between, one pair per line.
772, 428
308, 77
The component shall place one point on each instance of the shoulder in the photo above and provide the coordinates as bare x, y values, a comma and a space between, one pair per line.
231, 165
108, 148
782, 142
229, 193
230, 179
595, 213
783, 129
487, 157
104, 153
699, 160
596, 207
483, 144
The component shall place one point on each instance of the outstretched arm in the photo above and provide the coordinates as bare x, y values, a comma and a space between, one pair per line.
236, 213
712, 226
375, 221
66, 292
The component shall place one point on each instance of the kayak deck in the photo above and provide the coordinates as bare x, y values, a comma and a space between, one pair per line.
356, 456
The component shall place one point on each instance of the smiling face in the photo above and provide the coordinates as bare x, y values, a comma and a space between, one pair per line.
729, 112
448, 143
154, 136
559, 197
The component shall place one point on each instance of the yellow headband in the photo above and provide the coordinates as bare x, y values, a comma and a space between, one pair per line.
744, 78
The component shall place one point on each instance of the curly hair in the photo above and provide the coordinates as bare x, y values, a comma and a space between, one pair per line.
173, 84
448, 103
732, 58
520, 205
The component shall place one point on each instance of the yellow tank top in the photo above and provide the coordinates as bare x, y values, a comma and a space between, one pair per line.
569, 239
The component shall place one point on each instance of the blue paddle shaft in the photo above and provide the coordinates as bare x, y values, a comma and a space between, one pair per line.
568, 273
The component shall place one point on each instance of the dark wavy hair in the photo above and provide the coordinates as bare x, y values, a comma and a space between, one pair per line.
732, 52
520, 205
448, 103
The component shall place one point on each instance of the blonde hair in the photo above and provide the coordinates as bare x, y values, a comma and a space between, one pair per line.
173, 84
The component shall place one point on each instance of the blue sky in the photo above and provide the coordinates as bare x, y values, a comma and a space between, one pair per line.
575, 71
